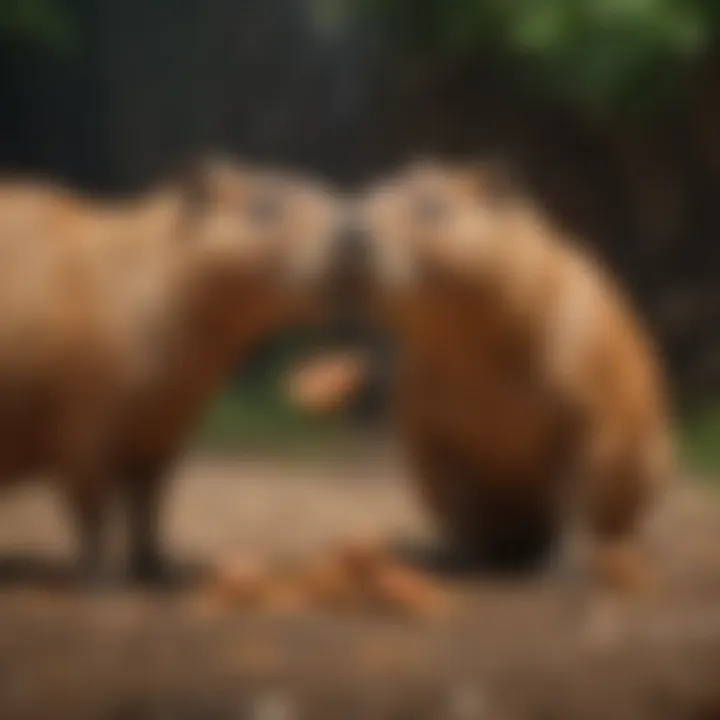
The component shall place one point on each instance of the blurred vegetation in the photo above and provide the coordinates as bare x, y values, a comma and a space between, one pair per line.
257, 418
604, 55
40, 24
701, 441
255, 414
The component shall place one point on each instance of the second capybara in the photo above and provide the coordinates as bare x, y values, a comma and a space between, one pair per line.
529, 397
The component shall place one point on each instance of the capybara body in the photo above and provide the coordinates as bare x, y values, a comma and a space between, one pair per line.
528, 395
118, 322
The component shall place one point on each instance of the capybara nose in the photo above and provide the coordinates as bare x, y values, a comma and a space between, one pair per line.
350, 276
351, 261
353, 247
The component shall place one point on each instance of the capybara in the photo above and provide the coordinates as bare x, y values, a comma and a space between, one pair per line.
529, 397
119, 320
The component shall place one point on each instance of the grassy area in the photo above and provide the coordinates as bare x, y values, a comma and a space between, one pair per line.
700, 444
253, 414
260, 421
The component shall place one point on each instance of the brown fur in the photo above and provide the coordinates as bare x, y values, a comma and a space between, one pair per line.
118, 321
526, 389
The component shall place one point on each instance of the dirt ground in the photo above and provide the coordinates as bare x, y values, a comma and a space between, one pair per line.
512, 649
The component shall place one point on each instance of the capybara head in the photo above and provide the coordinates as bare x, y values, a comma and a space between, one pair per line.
428, 214
258, 230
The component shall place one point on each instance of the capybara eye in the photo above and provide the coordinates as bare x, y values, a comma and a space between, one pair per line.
265, 209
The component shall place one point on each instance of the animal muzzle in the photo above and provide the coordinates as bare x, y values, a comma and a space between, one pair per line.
350, 278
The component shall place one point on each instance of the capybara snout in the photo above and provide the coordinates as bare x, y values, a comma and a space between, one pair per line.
348, 278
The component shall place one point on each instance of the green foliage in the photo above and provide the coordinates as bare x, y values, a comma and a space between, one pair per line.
260, 420
701, 441
43, 24
603, 54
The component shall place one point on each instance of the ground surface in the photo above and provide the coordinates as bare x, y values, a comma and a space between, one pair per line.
511, 650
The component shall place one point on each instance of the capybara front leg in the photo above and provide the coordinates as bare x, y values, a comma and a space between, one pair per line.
144, 492
84, 449
88, 505
617, 505
445, 490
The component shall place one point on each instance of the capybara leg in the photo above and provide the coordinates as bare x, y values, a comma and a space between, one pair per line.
436, 475
87, 503
84, 448
144, 495
517, 539
616, 508
431, 472
480, 525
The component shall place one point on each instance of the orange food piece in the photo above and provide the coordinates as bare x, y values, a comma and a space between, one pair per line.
327, 383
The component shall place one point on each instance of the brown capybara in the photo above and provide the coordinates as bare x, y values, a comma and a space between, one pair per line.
529, 398
118, 321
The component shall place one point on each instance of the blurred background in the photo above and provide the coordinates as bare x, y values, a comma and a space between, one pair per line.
609, 111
